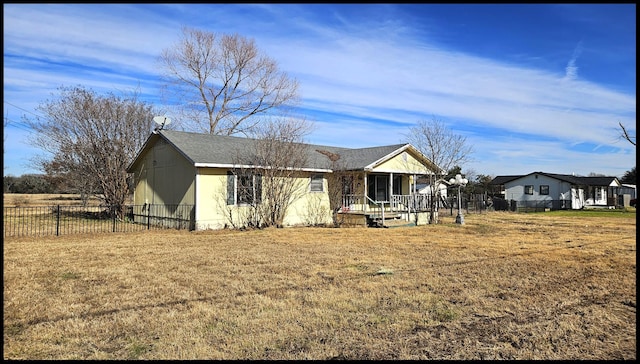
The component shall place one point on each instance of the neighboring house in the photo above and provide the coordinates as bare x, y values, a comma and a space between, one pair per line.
203, 170
425, 189
627, 193
559, 191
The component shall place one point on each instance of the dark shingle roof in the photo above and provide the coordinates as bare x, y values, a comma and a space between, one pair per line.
201, 149
500, 180
575, 180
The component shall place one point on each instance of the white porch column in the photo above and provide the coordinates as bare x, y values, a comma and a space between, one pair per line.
365, 203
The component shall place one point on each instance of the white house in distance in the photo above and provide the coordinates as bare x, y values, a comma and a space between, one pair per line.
426, 189
560, 191
627, 193
218, 177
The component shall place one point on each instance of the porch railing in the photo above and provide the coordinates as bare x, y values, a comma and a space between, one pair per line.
397, 203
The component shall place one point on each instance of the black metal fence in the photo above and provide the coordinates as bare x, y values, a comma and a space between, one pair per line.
63, 220
469, 203
530, 206
481, 203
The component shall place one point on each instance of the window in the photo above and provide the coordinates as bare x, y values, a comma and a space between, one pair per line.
528, 190
397, 185
347, 185
317, 183
244, 189
378, 186
544, 189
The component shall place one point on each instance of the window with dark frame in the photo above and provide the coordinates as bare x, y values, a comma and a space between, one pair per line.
347, 185
244, 189
316, 184
544, 189
397, 185
528, 189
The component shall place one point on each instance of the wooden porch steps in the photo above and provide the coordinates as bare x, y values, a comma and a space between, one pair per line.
390, 220
387, 216
397, 223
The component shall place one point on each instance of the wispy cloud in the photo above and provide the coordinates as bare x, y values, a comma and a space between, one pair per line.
571, 71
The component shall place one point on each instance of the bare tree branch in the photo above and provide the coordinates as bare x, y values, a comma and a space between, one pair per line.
90, 140
626, 136
223, 81
444, 148
278, 156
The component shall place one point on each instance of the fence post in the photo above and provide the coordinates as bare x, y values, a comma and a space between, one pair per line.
113, 219
58, 220
149, 217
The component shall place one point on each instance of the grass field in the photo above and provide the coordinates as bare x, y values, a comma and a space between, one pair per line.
45, 199
502, 286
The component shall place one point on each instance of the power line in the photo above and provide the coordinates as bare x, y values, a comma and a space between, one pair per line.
17, 125
25, 110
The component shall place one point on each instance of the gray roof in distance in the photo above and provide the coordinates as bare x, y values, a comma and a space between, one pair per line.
575, 180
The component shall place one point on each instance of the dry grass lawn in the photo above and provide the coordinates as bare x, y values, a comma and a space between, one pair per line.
45, 199
502, 286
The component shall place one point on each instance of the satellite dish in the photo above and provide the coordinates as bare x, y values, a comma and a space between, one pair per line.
161, 121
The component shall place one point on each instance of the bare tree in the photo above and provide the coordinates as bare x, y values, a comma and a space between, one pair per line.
223, 80
625, 134
280, 156
340, 183
444, 148
90, 140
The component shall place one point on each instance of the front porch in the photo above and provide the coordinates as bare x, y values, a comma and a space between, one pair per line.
399, 210
386, 196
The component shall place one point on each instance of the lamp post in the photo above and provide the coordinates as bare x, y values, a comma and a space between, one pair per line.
460, 182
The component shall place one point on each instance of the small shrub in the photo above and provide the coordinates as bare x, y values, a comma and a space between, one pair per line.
137, 349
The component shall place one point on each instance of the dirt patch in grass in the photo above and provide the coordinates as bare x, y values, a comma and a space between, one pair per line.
502, 286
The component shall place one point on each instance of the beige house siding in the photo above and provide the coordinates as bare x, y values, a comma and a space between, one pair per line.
212, 211
309, 208
211, 203
164, 177
404, 163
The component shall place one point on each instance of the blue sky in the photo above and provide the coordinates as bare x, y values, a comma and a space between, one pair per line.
532, 87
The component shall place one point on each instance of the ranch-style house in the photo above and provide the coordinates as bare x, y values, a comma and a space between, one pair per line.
216, 175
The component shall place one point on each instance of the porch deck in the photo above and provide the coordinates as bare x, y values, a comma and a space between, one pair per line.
360, 210
373, 219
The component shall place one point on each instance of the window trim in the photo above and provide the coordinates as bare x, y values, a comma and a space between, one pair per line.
347, 185
244, 198
544, 191
314, 184
234, 187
